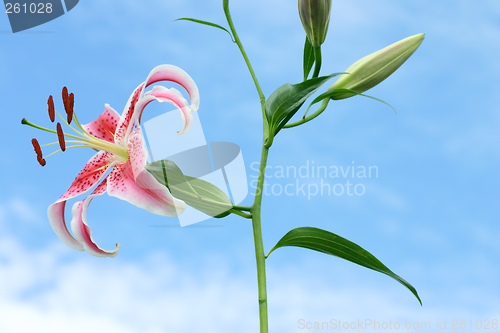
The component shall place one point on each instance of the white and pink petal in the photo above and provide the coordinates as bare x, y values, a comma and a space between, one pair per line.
137, 152
143, 191
81, 230
126, 122
91, 174
173, 96
104, 127
175, 74
58, 224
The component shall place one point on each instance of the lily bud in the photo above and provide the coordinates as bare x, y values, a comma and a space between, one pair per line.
315, 17
369, 71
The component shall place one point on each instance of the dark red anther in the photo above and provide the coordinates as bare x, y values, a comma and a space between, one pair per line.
69, 110
52, 111
60, 136
38, 150
65, 96
41, 160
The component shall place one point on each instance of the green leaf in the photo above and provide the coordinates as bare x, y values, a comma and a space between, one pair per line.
339, 92
285, 101
278, 98
206, 23
195, 192
308, 58
330, 243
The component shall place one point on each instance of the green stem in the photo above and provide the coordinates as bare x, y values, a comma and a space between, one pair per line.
310, 117
240, 213
259, 246
317, 59
243, 208
262, 98
256, 211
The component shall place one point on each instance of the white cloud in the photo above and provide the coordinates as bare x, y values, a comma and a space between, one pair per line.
19, 210
22, 210
53, 289
57, 290
62, 292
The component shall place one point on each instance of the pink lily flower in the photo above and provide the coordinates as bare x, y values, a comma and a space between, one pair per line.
122, 152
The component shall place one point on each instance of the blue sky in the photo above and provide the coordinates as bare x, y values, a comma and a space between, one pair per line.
431, 215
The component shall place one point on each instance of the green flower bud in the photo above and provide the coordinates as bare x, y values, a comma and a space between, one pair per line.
369, 71
315, 17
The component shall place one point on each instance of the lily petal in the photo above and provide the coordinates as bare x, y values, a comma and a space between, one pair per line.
104, 126
90, 175
137, 152
144, 191
126, 120
58, 224
82, 231
173, 96
177, 75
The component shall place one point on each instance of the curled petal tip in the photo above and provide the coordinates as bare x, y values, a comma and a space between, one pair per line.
83, 232
177, 75
55, 213
173, 96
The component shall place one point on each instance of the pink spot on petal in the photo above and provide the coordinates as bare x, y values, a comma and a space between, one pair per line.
104, 126
91, 173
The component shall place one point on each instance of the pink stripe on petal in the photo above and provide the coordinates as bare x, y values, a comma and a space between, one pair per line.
126, 120
172, 96
104, 126
58, 224
146, 193
177, 75
82, 231
140, 105
90, 175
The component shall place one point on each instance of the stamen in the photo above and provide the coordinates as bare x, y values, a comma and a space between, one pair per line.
75, 146
67, 141
41, 160
52, 113
60, 136
65, 96
69, 109
36, 145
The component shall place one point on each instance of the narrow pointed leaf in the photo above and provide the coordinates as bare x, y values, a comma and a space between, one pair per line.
324, 241
308, 58
285, 101
333, 93
195, 192
277, 98
206, 23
